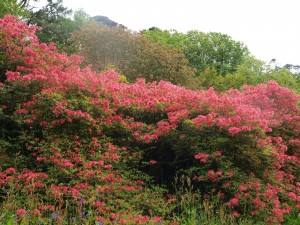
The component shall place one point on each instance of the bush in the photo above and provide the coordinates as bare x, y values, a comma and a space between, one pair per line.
82, 146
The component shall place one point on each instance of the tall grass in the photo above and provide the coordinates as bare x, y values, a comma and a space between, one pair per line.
193, 209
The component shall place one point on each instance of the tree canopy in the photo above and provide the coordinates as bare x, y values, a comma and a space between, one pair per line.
204, 50
132, 55
13, 7
56, 26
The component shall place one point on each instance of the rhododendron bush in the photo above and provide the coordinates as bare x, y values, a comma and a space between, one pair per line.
72, 138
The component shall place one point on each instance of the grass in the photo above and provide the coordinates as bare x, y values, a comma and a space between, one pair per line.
192, 209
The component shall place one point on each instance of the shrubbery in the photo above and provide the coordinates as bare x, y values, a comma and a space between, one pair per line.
81, 146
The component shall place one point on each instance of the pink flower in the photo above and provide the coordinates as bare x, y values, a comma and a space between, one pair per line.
21, 111
256, 202
108, 166
219, 173
242, 188
21, 212
293, 196
234, 130
235, 214
10, 170
152, 162
98, 204
202, 157
156, 219
229, 174
43, 123
36, 212
254, 213
218, 153
67, 163
227, 184
99, 219
29, 121
234, 201
74, 192
41, 158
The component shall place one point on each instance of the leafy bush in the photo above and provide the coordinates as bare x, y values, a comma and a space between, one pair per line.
81, 146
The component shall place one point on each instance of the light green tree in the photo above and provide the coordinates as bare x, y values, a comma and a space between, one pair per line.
171, 38
80, 17
284, 78
13, 7
203, 50
254, 70
220, 51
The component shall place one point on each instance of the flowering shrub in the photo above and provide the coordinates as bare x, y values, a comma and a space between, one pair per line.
85, 146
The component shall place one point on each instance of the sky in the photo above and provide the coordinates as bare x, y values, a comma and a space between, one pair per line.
269, 28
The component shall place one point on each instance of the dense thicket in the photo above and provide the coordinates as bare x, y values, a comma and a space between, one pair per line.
222, 62
203, 50
75, 142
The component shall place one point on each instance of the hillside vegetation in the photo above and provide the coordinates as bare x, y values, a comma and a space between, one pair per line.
79, 147
103, 125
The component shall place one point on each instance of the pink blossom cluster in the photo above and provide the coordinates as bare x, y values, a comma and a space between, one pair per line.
264, 119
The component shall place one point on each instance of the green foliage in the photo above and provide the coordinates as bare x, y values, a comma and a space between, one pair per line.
80, 17
154, 62
221, 62
203, 50
250, 72
253, 70
192, 208
171, 38
215, 50
57, 27
284, 78
13, 7
292, 219
132, 55
77, 146
19, 142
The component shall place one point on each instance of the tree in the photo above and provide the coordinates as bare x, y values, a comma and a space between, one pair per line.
254, 70
57, 27
210, 78
80, 17
293, 68
107, 22
155, 62
251, 72
26, 3
13, 7
171, 38
102, 46
215, 50
131, 54
284, 78
54, 19
204, 50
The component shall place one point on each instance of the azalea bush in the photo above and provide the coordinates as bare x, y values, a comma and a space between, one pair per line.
81, 146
